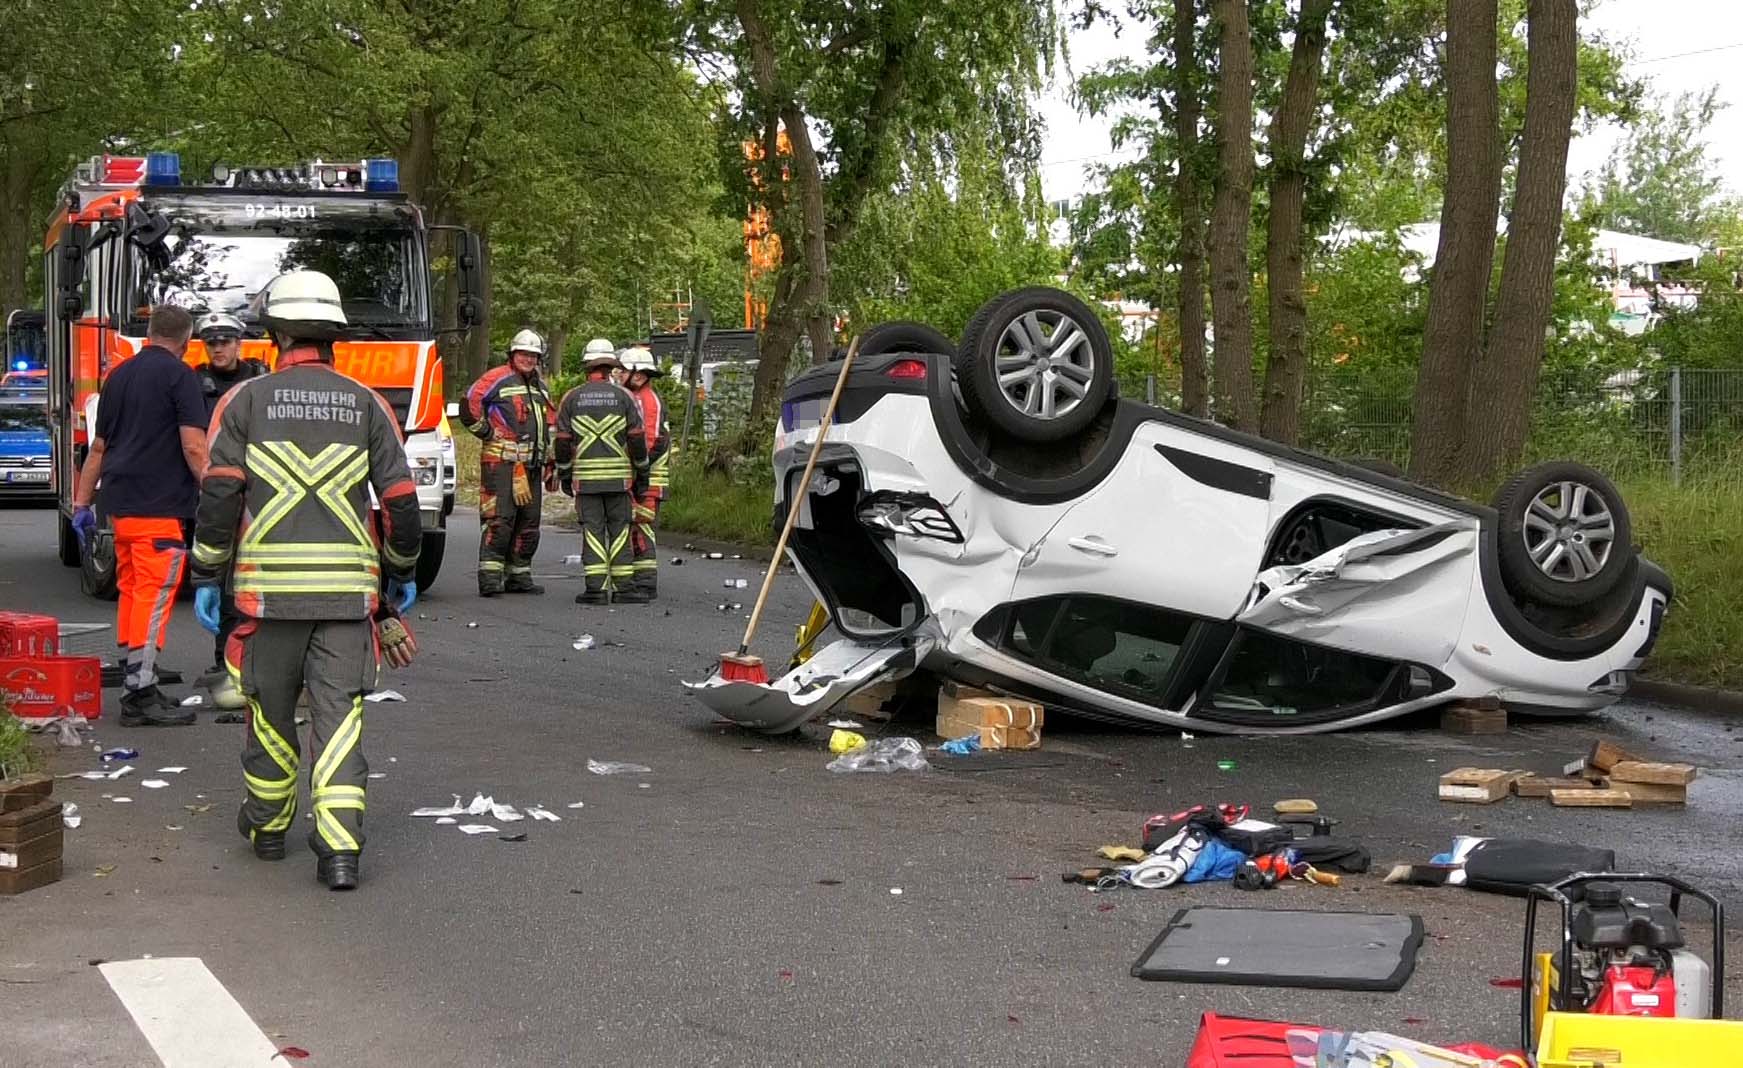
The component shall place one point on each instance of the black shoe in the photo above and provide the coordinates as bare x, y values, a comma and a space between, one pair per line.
269, 845
150, 708
338, 872
489, 591
592, 597
632, 597
525, 587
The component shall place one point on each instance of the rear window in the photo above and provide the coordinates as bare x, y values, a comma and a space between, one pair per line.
25, 415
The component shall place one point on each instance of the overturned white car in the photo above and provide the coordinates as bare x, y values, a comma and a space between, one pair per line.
997, 517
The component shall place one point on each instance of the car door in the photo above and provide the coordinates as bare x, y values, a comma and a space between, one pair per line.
1180, 523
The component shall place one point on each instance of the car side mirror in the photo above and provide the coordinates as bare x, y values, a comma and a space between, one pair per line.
146, 228
469, 259
70, 275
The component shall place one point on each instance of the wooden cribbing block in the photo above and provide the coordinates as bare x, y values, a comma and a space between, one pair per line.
1591, 799
1541, 785
1654, 773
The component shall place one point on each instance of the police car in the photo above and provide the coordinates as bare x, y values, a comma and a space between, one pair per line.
990, 512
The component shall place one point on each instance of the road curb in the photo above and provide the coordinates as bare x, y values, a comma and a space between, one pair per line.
1704, 699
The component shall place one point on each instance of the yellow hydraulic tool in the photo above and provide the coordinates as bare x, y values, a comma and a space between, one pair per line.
809, 631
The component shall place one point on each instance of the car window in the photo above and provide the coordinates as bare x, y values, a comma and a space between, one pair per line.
23, 417
1030, 622
1272, 678
1118, 646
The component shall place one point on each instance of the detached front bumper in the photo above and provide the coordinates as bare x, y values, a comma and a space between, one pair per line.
818, 685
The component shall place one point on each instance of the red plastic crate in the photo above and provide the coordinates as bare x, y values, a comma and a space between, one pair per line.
45, 686
25, 634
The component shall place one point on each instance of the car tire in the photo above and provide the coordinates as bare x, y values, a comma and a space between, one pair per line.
1565, 535
904, 335
97, 566
1059, 340
68, 543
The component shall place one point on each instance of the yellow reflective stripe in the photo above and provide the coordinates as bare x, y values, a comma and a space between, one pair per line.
337, 838
270, 740
287, 493
270, 789
332, 494
490, 565
282, 821
397, 559
209, 554
337, 584
339, 745
324, 556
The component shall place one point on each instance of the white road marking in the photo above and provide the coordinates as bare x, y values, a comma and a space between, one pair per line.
188, 1017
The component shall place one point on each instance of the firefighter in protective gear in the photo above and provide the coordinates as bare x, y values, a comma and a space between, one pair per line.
602, 460
645, 510
509, 408
284, 507
224, 370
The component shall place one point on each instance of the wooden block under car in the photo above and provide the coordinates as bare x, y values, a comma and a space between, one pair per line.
1646, 793
1469, 719
1606, 754
24, 791
1001, 722
1656, 774
22, 879
21, 826
1590, 799
1541, 785
1477, 786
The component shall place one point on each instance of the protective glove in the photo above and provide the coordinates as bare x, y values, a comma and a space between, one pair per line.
206, 599
523, 490
550, 478
398, 646
402, 595
84, 523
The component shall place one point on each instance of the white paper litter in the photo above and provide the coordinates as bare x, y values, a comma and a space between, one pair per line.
445, 820
120, 771
192, 700
171, 771
455, 809
385, 695
378, 775
92, 775
172, 826
122, 800
644, 786
583, 643
578, 804
896, 891
616, 767
154, 784
480, 805
540, 812
477, 828
845, 724
70, 815
504, 813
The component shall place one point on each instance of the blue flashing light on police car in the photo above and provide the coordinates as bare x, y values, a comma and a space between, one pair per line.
163, 168
381, 175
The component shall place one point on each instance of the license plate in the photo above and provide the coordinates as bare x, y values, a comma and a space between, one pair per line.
27, 476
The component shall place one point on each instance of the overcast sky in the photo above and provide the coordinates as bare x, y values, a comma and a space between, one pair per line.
1677, 44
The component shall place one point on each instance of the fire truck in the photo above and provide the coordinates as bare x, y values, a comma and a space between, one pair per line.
130, 233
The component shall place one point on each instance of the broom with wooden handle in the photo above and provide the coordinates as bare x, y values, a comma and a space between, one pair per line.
740, 666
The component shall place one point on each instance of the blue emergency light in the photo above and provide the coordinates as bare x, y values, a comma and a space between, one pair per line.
21, 365
381, 175
163, 168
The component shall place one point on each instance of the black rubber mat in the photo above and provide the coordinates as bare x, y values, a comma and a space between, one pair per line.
1284, 947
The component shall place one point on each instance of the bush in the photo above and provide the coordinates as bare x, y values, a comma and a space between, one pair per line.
1691, 530
17, 752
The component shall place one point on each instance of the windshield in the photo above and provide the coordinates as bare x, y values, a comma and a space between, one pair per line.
24, 414
219, 260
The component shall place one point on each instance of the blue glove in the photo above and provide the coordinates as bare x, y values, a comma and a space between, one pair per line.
402, 595
84, 523
206, 607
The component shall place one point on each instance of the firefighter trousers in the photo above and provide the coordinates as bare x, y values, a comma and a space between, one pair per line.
511, 531
272, 661
605, 553
150, 556
644, 552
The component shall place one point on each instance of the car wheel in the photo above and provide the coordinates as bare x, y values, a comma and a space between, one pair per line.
430, 554
1037, 364
902, 335
68, 546
1565, 535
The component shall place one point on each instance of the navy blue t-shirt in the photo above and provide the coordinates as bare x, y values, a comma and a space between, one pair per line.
145, 403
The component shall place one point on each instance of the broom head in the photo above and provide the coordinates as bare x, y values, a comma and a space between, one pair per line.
742, 667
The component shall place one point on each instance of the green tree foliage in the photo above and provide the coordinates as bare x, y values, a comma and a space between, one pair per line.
1662, 180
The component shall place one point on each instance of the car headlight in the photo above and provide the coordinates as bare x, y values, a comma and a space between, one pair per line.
425, 471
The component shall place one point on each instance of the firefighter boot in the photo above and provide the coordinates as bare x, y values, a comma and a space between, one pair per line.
268, 845
151, 708
489, 580
338, 871
520, 580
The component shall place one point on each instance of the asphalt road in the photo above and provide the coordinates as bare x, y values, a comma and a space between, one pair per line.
735, 905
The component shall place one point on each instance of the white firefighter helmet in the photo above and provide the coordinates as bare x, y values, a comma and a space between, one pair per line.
219, 326
303, 304
640, 358
527, 341
600, 346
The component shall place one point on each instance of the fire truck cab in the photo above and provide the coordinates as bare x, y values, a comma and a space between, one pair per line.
129, 233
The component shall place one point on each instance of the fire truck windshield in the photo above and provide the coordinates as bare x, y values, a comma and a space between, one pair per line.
219, 258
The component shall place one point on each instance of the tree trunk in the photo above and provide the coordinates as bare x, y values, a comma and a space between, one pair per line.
793, 306
476, 358
820, 330
1194, 371
1286, 371
1231, 219
1506, 386
1453, 335
16, 226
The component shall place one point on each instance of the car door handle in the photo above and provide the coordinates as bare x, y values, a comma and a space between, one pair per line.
1093, 545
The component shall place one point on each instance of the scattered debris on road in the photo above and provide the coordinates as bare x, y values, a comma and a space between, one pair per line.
845, 741
385, 695
583, 643
616, 767
883, 755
